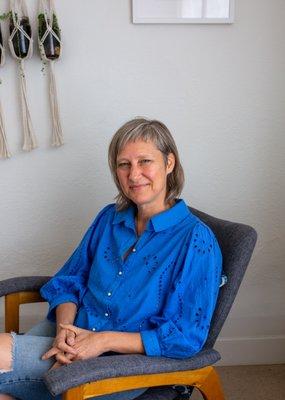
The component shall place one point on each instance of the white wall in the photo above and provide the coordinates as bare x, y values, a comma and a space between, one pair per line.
219, 88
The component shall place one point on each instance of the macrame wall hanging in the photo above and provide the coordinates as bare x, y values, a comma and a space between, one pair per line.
21, 47
50, 47
4, 150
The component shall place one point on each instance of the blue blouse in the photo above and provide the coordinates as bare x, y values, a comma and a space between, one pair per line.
166, 288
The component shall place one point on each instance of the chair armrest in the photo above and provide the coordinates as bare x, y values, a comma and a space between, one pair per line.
99, 368
22, 283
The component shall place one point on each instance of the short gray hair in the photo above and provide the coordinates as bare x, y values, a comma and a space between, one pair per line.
146, 130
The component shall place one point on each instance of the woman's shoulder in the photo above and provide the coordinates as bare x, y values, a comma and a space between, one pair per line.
105, 213
108, 209
201, 232
190, 222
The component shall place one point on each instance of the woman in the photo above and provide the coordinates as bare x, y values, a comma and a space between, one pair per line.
144, 279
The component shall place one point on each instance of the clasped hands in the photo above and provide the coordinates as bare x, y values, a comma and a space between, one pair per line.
73, 343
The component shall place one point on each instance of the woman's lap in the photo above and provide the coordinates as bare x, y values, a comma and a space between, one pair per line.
43, 328
25, 381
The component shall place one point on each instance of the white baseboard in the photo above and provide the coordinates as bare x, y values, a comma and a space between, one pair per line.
251, 350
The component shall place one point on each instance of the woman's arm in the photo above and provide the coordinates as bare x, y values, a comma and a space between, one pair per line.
92, 344
65, 314
69, 283
123, 342
182, 327
62, 347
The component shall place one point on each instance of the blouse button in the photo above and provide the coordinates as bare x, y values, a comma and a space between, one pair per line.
120, 272
109, 294
106, 314
134, 250
93, 329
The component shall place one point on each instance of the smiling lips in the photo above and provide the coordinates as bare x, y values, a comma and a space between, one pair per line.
138, 187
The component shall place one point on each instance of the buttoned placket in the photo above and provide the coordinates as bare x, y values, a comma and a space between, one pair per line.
134, 244
123, 268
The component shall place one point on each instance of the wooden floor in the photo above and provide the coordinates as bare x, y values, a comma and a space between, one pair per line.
252, 382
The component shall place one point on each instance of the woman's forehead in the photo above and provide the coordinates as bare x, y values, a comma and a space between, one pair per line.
138, 146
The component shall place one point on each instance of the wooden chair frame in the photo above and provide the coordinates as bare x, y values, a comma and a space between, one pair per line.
206, 379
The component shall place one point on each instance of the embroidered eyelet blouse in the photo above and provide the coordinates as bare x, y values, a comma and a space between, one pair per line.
166, 288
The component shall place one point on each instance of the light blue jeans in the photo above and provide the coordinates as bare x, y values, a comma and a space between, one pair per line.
25, 381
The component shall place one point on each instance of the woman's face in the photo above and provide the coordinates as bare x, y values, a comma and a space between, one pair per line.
142, 173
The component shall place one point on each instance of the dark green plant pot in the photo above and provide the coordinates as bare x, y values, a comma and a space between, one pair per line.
20, 42
51, 45
1, 42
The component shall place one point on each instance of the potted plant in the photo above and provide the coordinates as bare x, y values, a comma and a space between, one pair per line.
49, 39
51, 45
21, 32
4, 150
1, 48
21, 47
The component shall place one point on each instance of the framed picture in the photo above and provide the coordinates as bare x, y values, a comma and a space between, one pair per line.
183, 11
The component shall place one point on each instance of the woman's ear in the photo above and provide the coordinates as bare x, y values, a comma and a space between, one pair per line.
170, 163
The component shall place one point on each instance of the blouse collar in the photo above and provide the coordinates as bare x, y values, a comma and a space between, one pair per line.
158, 222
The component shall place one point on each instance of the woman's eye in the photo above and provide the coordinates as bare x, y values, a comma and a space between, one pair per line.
123, 165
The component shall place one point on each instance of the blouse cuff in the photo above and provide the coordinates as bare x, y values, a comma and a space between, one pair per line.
150, 343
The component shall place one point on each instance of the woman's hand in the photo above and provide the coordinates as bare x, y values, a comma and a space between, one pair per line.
83, 344
87, 344
62, 348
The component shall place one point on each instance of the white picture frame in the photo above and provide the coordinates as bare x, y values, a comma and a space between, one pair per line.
183, 11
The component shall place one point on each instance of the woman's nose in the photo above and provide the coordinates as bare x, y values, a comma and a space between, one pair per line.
134, 173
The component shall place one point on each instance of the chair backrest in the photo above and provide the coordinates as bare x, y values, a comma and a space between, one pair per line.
237, 242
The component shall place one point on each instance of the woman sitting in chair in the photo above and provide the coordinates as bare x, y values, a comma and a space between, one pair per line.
144, 279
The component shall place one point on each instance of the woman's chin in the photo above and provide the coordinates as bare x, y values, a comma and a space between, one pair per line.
139, 196
139, 200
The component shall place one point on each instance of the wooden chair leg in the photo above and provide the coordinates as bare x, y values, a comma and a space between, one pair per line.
211, 388
74, 394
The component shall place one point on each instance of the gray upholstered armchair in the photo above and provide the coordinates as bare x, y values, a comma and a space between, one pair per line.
108, 374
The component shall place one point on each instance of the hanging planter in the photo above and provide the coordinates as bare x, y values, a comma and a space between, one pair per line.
2, 50
49, 39
4, 150
21, 47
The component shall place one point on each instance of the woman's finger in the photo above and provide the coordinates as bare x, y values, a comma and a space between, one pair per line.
70, 338
63, 358
72, 328
50, 353
64, 347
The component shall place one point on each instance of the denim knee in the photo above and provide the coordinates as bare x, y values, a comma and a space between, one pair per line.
25, 379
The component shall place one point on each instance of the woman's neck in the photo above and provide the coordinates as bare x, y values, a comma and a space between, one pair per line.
145, 213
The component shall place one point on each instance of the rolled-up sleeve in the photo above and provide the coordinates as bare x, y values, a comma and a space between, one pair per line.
69, 283
182, 328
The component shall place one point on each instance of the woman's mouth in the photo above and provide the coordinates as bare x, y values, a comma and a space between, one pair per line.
138, 187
